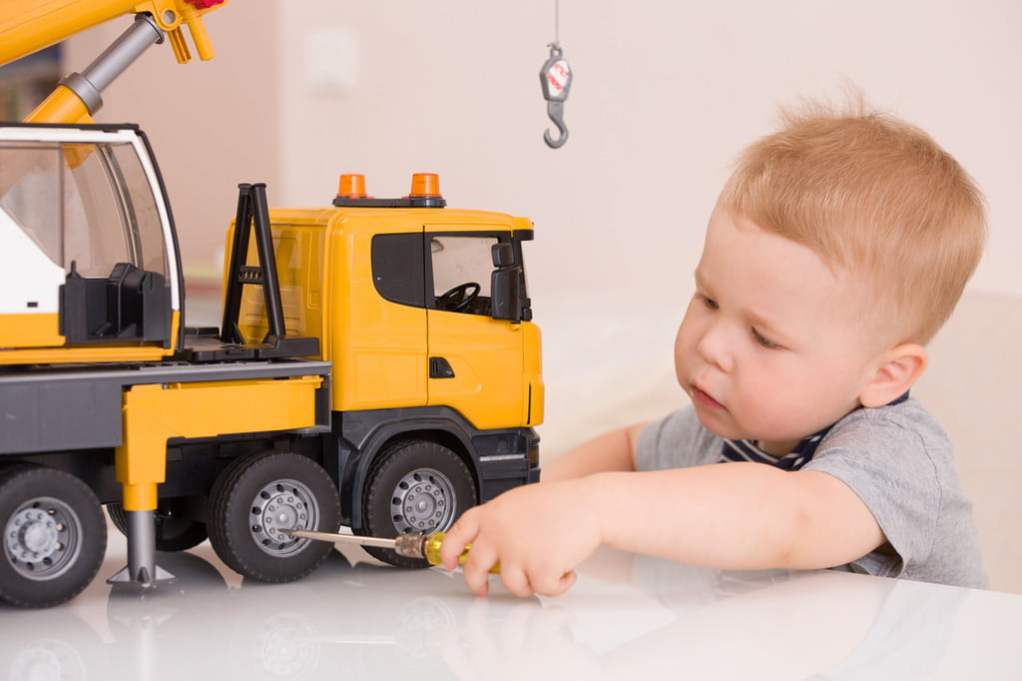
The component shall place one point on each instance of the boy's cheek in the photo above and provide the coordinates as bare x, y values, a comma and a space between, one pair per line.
684, 351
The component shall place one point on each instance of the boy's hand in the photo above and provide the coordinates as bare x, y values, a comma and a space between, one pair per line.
539, 533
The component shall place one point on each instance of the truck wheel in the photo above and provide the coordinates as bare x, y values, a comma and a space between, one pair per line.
224, 481
172, 533
54, 536
418, 486
256, 499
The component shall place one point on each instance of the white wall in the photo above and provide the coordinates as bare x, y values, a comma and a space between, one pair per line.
665, 95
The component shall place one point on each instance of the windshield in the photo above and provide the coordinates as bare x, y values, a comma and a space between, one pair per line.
86, 204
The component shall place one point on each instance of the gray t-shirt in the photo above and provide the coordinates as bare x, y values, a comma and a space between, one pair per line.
896, 458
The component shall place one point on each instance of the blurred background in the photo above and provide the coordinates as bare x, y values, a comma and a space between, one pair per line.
664, 96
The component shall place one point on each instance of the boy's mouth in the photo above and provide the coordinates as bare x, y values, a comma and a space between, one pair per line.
703, 398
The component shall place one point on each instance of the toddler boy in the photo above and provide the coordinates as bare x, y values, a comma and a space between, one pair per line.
836, 250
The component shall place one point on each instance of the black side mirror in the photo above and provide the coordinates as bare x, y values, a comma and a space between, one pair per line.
503, 255
506, 294
506, 284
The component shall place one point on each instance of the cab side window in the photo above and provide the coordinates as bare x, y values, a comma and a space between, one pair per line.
398, 272
462, 265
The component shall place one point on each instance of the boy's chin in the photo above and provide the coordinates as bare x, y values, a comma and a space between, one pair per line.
718, 424
722, 425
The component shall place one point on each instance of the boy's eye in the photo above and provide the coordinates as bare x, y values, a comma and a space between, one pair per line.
708, 302
765, 342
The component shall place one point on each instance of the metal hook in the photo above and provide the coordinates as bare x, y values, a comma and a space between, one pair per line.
555, 110
555, 77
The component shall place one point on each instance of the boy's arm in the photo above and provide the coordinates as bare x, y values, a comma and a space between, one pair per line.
612, 451
739, 516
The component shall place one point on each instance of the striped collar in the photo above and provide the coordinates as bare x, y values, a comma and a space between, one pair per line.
748, 450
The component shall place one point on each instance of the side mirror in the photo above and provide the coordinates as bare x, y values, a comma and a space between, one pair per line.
503, 255
506, 294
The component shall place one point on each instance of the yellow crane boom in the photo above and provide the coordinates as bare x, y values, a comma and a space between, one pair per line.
27, 26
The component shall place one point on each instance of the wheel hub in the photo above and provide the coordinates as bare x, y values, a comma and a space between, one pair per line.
423, 500
42, 538
280, 506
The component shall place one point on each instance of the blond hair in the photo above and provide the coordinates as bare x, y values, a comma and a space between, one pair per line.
868, 193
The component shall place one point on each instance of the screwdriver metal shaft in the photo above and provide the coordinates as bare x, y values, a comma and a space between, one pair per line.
411, 545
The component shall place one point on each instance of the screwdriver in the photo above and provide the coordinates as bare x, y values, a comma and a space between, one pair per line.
412, 545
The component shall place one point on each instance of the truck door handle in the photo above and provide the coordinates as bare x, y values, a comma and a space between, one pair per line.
440, 368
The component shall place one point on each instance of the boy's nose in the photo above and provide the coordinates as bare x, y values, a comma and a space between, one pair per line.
713, 348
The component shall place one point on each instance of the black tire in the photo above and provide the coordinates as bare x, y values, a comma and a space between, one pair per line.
172, 533
306, 496
384, 500
224, 481
67, 526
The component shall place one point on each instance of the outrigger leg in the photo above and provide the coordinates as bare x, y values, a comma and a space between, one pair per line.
141, 568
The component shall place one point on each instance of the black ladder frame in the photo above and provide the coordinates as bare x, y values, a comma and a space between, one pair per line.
253, 212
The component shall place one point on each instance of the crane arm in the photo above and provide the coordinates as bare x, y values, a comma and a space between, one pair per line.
27, 26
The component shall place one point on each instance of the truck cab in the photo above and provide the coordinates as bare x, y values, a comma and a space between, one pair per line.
424, 313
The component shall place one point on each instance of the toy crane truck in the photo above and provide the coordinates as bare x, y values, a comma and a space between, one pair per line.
376, 365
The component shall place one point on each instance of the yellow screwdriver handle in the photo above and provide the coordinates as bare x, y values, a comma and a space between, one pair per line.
431, 549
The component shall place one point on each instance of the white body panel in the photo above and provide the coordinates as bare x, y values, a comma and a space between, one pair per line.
27, 275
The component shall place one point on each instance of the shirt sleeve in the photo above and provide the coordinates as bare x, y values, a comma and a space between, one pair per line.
677, 440
888, 466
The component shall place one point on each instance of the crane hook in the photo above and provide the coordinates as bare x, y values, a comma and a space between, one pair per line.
555, 110
555, 77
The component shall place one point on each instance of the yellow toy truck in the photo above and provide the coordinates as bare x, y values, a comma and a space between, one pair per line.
376, 365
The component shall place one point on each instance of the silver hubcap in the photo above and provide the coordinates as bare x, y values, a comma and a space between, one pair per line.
423, 500
42, 538
280, 506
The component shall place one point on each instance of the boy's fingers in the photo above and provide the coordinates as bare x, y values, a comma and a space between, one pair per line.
477, 568
515, 580
461, 533
554, 586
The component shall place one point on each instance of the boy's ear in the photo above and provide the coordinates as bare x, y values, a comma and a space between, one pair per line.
898, 370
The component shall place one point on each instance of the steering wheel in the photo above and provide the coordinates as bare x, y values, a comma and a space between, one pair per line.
458, 298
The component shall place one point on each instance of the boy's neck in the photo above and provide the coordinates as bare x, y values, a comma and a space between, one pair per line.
777, 448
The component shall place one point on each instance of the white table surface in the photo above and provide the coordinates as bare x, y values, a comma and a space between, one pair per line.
627, 617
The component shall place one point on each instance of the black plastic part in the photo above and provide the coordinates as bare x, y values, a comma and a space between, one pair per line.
503, 254
498, 459
106, 127
253, 213
439, 367
264, 244
521, 235
204, 346
172, 533
398, 271
506, 296
217, 529
129, 305
20, 483
463, 298
507, 284
393, 464
53, 414
231, 503
41, 400
406, 202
